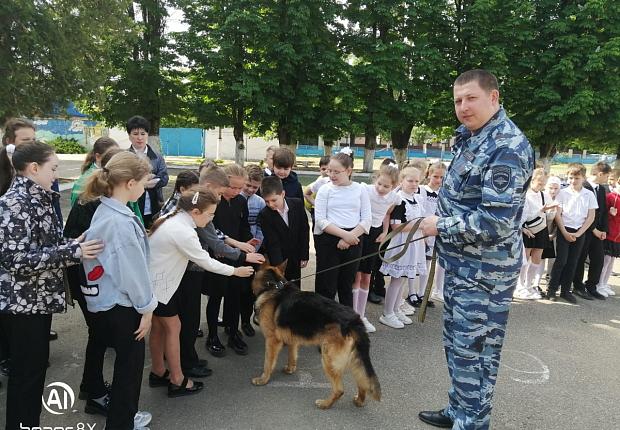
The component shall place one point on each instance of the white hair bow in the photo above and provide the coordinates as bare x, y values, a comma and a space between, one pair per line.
347, 150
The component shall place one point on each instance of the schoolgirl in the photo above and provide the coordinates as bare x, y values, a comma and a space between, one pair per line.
342, 215
91, 163
612, 242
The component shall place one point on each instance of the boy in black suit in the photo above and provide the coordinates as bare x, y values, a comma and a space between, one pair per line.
284, 223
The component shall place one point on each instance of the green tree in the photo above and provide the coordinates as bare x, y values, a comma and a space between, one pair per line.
55, 51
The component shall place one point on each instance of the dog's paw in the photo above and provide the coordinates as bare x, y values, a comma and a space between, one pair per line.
358, 401
289, 370
323, 403
259, 381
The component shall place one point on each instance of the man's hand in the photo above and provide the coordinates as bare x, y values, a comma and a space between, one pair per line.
428, 226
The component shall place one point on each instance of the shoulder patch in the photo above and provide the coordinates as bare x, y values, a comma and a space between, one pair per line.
500, 178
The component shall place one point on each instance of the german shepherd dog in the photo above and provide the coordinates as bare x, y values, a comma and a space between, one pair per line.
288, 316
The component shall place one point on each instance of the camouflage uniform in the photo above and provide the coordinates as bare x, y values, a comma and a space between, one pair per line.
479, 245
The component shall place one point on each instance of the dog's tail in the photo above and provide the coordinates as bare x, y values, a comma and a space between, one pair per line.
362, 367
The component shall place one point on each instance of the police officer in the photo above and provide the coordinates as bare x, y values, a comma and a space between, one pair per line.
479, 246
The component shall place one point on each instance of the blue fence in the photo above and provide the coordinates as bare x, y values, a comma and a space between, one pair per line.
182, 142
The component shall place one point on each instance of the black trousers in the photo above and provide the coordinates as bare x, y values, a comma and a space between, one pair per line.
232, 302
338, 280
29, 346
247, 300
377, 279
92, 376
117, 327
189, 314
593, 248
567, 254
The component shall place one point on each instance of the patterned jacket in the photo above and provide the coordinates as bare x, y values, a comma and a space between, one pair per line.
32, 251
481, 202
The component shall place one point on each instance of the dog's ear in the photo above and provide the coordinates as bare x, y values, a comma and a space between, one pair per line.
281, 268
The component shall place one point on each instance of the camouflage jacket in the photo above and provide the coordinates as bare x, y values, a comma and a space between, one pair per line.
32, 251
481, 202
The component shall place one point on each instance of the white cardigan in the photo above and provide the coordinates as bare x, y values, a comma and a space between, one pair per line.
173, 245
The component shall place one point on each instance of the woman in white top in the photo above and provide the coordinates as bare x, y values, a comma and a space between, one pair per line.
342, 215
174, 242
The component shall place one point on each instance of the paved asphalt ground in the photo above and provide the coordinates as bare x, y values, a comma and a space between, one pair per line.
559, 370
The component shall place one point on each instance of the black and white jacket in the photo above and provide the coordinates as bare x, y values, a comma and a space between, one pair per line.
32, 251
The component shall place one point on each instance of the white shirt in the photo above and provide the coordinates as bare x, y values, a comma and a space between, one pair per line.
284, 213
534, 204
344, 206
173, 245
316, 185
575, 206
379, 205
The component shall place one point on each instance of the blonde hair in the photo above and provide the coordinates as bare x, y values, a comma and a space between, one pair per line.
255, 173
235, 170
438, 165
576, 169
121, 168
215, 176
390, 171
409, 171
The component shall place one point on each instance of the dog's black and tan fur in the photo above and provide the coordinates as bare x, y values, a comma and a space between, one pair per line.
292, 317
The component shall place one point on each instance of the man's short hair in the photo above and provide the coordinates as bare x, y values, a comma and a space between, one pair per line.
271, 185
576, 169
138, 122
600, 167
283, 158
485, 79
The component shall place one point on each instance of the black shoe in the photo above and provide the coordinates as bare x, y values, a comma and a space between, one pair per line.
596, 294
568, 296
436, 418
379, 291
198, 372
84, 392
238, 345
583, 293
200, 333
374, 298
215, 347
183, 389
53, 335
227, 330
92, 407
413, 300
159, 381
248, 330
430, 304
5, 367
220, 322
551, 296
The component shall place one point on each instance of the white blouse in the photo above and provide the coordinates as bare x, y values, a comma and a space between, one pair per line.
344, 206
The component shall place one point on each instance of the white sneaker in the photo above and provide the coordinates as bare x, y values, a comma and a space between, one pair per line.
437, 297
403, 318
521, 294
406, 308
141, 420
369, 327
391, 320
603, 290
534, 294
609, 291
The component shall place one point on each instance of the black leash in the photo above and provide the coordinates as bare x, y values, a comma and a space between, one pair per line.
381, 252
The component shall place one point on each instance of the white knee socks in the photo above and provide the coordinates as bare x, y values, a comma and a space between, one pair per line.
393, 294
362, 297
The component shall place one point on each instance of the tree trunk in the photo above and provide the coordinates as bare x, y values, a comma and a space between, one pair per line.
154, 140
400, 144
285, 138
238, 130
370, 144
327, 147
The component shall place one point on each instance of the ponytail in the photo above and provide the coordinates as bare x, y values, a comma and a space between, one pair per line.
121, 168
100, 146
198, 197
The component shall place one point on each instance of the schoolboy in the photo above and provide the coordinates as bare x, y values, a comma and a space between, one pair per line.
594, 238
283, 162
268, 171
255, 202
574, 216
313, 188
285, 229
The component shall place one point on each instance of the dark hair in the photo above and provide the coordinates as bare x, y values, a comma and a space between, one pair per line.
121, 168
214, 176
255, 173
100, 146
198, 197
25, 153
324, 160
186, 179
14, 124
345, 159
271, 185
388, 161
283, 158
109, 154
138, 122
600, 167
484, 78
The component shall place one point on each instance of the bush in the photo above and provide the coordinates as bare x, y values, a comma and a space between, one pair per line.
67, 146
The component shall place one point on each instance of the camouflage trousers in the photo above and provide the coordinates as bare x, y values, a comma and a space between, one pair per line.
474, 327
